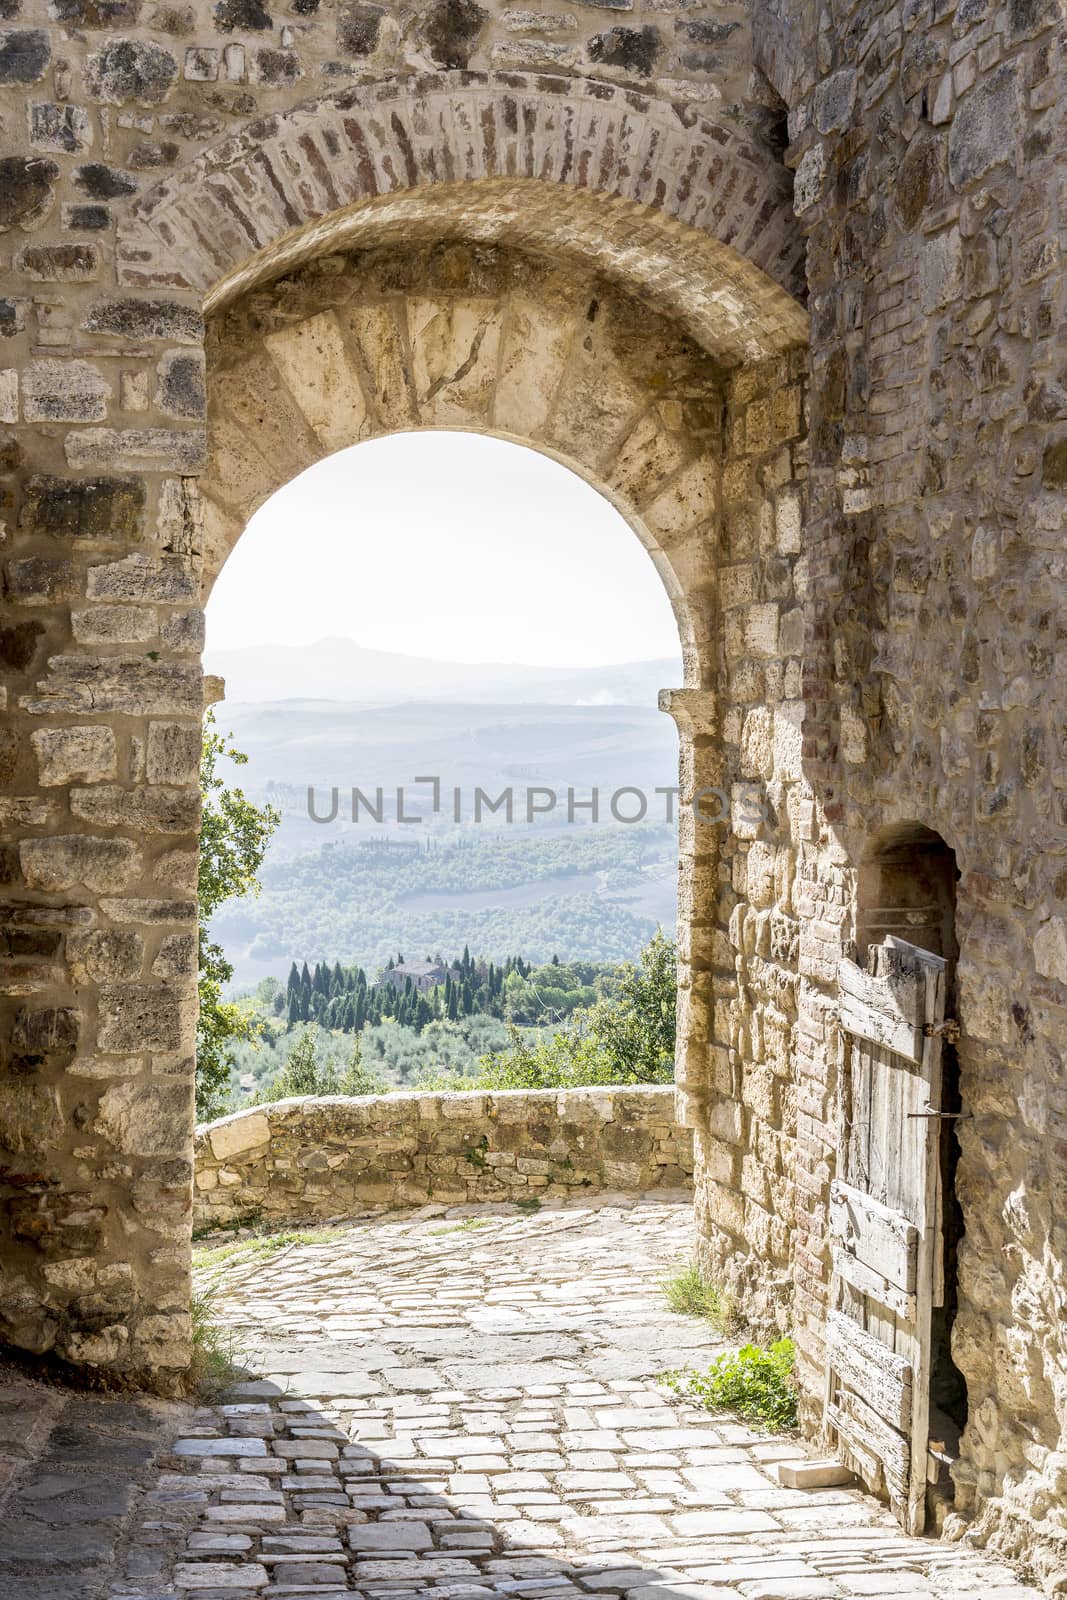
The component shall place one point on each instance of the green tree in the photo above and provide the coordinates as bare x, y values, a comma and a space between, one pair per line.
300, 1075
636, 1029
358, 1079
627, 1038
234, 834
303, 1074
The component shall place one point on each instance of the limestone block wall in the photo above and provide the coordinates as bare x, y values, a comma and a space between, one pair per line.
296, 1160
737, 1074
928, 149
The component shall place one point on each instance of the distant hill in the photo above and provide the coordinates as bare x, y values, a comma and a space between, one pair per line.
585, 893
340, 669
346, 716
330, 741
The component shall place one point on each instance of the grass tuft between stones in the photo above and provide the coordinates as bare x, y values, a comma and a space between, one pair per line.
266, 1244
751, 1383
468, 1225
215, 1365
689, 1293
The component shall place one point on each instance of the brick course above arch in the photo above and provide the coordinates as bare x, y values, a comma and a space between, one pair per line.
652, 191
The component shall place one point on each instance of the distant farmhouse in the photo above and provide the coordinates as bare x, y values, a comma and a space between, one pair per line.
423, 974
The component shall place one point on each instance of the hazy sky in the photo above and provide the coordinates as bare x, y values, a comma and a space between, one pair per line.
449, 545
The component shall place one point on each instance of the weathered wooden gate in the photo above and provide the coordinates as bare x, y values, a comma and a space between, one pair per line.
885, 1225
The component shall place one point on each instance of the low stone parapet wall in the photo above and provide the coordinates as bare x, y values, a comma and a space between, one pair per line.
315, 1158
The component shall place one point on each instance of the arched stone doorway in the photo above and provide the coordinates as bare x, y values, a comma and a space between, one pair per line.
597, 310
480, 337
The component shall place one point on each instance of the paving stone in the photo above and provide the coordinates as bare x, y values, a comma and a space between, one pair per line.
59, 1586
391, 1536
219, 1447
220, 1575
71, 1445
22, 1545
64, 1498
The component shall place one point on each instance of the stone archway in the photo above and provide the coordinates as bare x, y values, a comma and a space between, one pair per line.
623, 303
484, 339
699, 454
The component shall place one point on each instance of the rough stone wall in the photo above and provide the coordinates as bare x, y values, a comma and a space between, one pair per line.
301, 1159
745, 1102
152, 67
928, 147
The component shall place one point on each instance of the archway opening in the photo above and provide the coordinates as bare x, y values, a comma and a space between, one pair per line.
907, 888
442, 653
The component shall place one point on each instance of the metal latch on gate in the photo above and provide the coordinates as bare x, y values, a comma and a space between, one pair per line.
949, 1029
944, 1116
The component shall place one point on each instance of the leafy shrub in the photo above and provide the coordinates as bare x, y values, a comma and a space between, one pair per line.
753, 1383
234, 835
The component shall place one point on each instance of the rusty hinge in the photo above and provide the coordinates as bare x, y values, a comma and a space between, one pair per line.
949, 1029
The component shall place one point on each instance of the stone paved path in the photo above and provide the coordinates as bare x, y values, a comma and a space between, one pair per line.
73, 1468
466, 1406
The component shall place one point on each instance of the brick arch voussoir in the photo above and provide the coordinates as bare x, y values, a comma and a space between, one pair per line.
287, 391
654, 192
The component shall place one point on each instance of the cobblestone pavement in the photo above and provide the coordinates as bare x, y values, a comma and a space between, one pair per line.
465, 1405
73, 1469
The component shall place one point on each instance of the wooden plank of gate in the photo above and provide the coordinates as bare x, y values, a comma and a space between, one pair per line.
858, 1019
864, 1431
901, 999
876, 1373
876, 1235
905, 956
865, 1280
868, 1009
